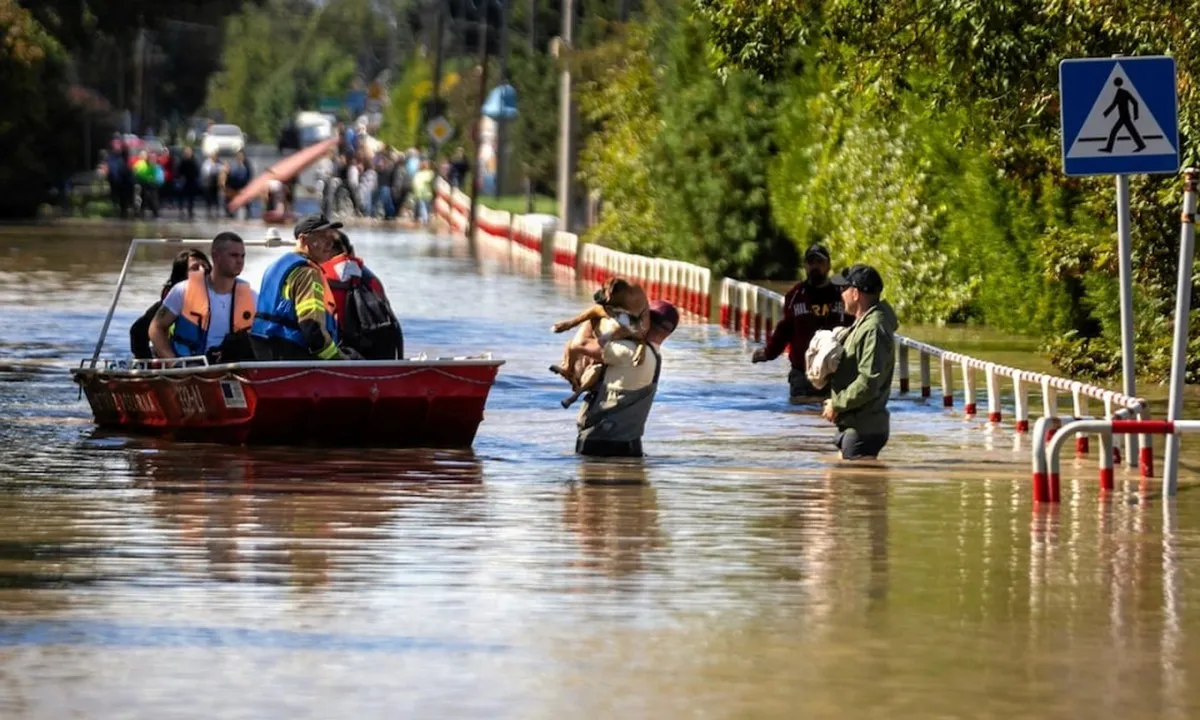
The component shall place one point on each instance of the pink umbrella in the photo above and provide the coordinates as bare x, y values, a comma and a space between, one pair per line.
283, 171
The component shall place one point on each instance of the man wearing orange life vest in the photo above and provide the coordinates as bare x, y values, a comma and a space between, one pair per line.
205, 309
365, 319
296, 318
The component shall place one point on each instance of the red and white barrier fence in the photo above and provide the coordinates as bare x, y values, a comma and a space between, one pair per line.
754, 310
1048, 445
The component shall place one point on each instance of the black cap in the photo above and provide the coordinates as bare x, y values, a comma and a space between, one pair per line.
863, 277
817, 252
314, 223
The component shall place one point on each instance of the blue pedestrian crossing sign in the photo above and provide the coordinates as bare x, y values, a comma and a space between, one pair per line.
1119, 115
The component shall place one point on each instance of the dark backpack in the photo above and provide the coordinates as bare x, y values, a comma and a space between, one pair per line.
369, 326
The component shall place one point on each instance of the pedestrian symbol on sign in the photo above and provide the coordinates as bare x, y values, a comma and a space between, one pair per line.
1122, 102
1120, 124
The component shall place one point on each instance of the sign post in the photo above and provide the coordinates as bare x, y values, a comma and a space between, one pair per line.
1120, 117
1183, 305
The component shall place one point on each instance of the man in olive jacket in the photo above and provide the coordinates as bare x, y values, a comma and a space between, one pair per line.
862, 382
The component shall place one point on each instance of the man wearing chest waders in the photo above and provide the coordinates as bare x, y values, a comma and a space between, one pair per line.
614, 414
862, 382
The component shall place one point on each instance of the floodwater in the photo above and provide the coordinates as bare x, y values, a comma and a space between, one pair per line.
744, 572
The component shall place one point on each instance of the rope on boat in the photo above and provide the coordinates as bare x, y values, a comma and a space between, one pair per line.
302, 373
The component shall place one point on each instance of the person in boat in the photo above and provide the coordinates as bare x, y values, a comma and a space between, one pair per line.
614, 413
365, 319
296, 317
186, 263
211, 313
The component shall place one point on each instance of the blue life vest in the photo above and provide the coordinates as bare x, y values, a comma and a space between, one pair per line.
275, 316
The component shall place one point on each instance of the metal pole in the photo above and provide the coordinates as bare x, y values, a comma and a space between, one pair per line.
1125, 251
564, 118
1183, 305
502, 125
533, 8
437, 73
476, 182
112, 308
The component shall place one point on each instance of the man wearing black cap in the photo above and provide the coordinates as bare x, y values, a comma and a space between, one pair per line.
614, 413
813, 304
862, 382
296, 318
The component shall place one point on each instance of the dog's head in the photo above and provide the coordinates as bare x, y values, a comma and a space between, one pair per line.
614, 288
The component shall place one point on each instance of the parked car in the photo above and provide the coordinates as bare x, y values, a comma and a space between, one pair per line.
223, 140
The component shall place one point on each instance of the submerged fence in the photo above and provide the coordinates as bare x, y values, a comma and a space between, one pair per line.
534, 242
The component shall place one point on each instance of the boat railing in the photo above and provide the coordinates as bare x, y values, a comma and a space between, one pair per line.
274, 241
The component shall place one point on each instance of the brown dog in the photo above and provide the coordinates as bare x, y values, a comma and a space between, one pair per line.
625, 311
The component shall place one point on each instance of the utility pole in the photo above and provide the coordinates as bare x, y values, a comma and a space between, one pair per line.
532, 25
477, 176
502, 125
139, 77
566, 145
438, 31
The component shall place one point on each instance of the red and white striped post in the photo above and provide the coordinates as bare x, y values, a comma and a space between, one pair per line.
968, 373
947, 382
992, 378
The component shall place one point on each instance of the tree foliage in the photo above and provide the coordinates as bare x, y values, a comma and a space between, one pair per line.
36, 117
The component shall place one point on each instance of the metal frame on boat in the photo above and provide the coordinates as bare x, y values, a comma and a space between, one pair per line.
419, 402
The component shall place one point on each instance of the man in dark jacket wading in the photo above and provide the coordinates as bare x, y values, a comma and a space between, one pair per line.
862, 382
811, 305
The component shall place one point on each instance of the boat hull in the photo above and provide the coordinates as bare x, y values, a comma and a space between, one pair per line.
404, 403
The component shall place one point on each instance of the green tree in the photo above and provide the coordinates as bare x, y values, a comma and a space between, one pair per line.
35, 119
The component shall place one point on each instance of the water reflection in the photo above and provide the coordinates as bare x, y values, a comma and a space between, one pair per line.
613, 511
279, 516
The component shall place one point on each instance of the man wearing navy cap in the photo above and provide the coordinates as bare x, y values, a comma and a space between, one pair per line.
862, 382
296, 316
811, 305
614, 413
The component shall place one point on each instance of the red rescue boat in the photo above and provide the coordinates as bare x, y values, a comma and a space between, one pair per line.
397, 403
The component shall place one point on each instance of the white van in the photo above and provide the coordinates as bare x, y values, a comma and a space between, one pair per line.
313, 127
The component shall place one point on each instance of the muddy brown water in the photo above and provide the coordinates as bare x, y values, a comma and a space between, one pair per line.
745, 573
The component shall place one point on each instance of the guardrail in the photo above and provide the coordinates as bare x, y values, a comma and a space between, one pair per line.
754, 310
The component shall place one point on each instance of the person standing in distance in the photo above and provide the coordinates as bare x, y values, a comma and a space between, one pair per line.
812, 304
862, 383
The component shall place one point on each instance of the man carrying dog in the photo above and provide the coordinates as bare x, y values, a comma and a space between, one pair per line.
862, 382
613, 417
811, 305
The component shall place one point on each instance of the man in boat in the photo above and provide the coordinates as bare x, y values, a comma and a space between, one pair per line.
208, 310
811, 305
366, 322
614, 414
296, 317
862, 382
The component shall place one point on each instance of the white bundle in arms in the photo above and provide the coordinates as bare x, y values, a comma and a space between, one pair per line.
823, 355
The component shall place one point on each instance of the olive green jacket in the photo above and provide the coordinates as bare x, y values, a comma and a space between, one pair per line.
863, 380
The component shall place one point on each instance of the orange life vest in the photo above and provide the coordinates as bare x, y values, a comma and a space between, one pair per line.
191, 327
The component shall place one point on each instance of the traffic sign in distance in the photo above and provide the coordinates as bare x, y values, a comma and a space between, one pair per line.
440, 130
